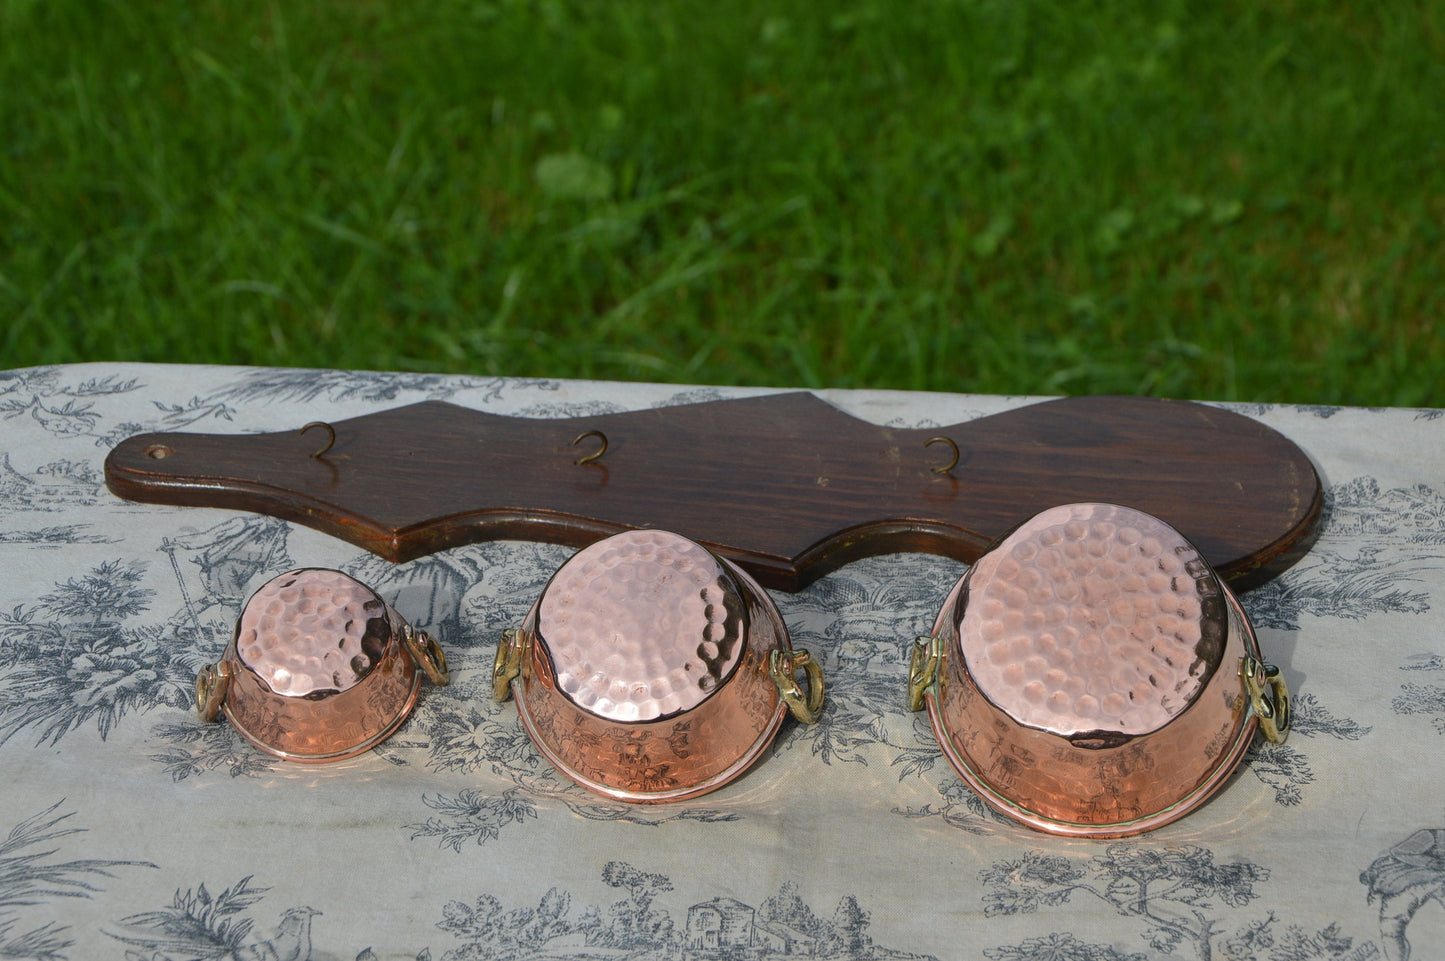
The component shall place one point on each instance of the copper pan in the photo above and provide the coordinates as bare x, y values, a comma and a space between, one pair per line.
651, 670
319, 668
1091, 676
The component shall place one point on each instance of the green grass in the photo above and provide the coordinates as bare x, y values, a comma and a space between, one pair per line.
1227, 200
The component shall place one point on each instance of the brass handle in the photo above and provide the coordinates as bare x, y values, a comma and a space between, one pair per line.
782, 665
427, 654
1268, 697
508, 664
923, 669
211, 686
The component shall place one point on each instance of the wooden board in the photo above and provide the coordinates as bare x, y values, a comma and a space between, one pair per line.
786, 485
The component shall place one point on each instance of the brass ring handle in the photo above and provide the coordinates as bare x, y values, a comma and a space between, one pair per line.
427, 654
211, 685
508, 665
1271, 706
923, 669
782, 665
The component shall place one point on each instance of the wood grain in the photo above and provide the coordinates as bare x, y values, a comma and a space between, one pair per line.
785, 485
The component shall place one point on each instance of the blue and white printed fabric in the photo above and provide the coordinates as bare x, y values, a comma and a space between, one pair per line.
131, 830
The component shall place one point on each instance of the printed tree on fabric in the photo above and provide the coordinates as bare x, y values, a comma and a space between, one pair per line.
1177, 896
199, 924
632, 923
32, 876
70, 660
1375, 550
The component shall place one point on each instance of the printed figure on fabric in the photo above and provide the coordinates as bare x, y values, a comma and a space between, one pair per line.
1404, 879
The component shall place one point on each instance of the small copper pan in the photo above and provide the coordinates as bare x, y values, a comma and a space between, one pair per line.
319, 668
650, 669
1091, 676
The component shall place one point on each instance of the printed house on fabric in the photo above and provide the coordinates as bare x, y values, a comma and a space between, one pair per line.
725, 923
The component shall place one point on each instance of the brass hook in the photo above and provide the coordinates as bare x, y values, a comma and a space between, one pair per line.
944, 468
330, 436
589, 458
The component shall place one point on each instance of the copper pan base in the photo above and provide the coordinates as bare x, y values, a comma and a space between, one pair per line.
1089, 675
649, 669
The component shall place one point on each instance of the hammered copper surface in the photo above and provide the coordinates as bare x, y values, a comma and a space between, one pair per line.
1092, 617
1105, 700
312, 631
318, 672
679, 755
642, 626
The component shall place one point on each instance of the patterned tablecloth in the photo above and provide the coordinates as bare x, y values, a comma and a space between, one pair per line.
131, 830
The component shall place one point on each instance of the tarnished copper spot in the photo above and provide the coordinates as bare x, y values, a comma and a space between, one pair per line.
645, 671
318, 669
1090, 681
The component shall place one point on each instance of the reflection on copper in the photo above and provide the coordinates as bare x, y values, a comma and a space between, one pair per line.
317, 668
647, 676
1090, 682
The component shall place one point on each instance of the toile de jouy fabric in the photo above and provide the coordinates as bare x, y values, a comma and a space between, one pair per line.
131, 830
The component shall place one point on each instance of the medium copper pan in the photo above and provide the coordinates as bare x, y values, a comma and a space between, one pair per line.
650, 669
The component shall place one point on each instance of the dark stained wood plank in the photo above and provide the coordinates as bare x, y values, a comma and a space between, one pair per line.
786, 485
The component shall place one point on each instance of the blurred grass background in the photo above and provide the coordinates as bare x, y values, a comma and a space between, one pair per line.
1226, 200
